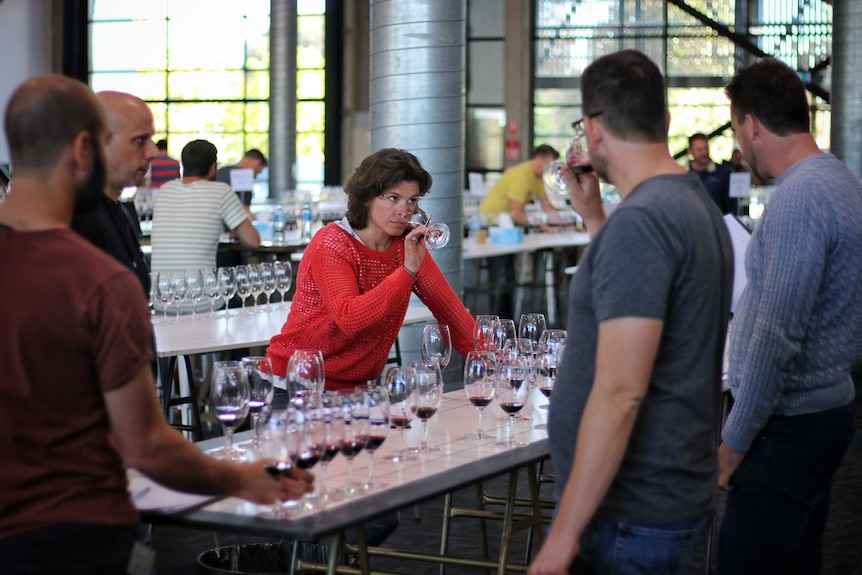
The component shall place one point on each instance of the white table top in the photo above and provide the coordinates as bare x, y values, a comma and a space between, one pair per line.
238, 330
459, 462
532, 242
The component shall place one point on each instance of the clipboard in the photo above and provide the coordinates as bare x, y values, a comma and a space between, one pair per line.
739, 237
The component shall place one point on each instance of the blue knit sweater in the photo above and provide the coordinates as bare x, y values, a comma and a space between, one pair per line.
798, 328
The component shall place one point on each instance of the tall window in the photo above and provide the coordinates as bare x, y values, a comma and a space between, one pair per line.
696, 60
310, 92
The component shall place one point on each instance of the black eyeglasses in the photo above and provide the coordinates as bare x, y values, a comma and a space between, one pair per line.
578, 125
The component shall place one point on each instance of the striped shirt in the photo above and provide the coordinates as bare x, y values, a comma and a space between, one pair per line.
163, 169
187, 222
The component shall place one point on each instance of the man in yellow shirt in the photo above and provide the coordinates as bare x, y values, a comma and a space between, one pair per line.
519, 185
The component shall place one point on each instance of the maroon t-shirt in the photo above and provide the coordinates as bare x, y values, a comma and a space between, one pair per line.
73, 325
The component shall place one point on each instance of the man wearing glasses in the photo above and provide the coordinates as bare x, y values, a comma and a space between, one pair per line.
634, 420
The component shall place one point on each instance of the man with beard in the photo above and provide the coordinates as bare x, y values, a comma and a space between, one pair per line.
796, 334
633, 425
77, 398
130, 149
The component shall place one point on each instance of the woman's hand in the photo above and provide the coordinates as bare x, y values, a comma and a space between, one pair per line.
414, 249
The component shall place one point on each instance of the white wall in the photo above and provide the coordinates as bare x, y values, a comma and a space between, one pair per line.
25, 48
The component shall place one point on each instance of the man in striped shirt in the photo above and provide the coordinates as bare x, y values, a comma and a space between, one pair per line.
190, 213
163, 168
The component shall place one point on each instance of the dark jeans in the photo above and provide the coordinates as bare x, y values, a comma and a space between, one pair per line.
776, 512
69, 549
624, 549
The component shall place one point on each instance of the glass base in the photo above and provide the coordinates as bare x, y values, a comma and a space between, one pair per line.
479, 437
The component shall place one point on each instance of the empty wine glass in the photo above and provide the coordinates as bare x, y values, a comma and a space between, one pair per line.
211, 288
480, 369
178, 283
227, 286
531, 327
400, 391
283, 280
258, 370
377, 401
164, 291
194, 289
428, 383
356, 427
436, 345
552, 175
229, 393
278, 447
243, 285
305, 373
511, 398
256, 282
437, 235
506, 331
267, 275
485, 330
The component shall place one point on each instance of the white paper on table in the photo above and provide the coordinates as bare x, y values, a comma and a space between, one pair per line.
242, 179
740, 185
739, 236
148, 495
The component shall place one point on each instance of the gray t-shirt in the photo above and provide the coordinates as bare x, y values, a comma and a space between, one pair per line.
659, 255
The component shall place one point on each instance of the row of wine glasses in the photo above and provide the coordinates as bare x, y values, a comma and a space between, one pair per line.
192, 287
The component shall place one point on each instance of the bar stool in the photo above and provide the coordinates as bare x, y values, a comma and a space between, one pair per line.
172, 395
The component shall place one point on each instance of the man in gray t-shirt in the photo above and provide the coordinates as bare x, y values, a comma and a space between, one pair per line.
634, 421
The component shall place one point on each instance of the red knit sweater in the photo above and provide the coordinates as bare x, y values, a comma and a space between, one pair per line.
350, 303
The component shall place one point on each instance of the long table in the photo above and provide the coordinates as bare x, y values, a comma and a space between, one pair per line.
460, 462
532, 242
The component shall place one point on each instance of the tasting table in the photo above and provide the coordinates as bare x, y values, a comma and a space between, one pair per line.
458, 463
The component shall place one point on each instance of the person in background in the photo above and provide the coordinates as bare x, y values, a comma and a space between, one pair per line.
518, 186
795, 337
715, 178
356, 277
77, 395
130, 149
190, 213
253, 160
634, 421
163, 168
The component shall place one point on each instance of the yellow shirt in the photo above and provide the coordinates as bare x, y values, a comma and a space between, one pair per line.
518, 183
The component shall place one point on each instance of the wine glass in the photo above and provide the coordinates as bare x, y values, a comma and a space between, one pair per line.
229, 393
243, 285
313, 441
552, 175
485, 330
356, 428
517, 354
531, 327
258, 370
480, 369
546, 374
510, 396
331, 408
211, 288
267, 275
305, 373
506, 331
279, 446
377, 402
283, 280
428, 382
164, 291
194, 289
152, 294
178, 283
437, 235
256, 282
436, 345
227, 286
400, 390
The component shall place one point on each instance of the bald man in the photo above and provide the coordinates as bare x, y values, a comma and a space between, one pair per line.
77, 397
129, 151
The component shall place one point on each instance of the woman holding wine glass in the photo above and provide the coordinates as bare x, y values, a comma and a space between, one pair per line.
357, 275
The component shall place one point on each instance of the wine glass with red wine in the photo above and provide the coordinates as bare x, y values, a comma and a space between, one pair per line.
511, 391
400, 391
278, 447
377, 401
356, 429
480, 369
428, 382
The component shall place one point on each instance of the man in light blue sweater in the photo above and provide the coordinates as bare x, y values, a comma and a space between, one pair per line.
796, 334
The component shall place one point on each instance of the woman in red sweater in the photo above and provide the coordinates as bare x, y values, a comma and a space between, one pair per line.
357, 274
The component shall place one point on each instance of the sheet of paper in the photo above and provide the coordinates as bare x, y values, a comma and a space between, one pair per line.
147, 495
242, 179
739, 236
477, 184
740, 185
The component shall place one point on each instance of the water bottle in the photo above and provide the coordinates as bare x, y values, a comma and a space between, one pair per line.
278, 222
305, 222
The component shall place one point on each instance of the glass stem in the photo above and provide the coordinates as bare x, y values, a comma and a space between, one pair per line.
254, 419
512, 429
400, 442
370, 466
349, 472
479, 432
228, 439
424, 446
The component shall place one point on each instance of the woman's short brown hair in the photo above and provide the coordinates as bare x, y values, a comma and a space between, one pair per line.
378, 172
